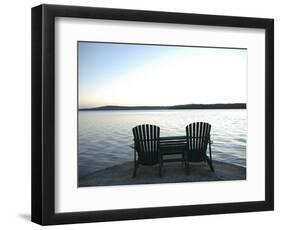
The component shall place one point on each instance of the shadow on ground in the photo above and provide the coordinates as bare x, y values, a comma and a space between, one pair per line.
25, 216
172, 172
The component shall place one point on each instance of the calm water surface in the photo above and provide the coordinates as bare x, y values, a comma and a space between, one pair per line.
105, 136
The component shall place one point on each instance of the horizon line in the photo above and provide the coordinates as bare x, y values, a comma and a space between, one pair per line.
162, 106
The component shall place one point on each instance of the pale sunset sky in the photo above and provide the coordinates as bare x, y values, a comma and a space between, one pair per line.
153, 75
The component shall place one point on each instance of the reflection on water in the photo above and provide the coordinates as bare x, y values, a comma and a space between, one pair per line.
105, 136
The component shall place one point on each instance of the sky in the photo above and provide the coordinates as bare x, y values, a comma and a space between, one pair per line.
154, 75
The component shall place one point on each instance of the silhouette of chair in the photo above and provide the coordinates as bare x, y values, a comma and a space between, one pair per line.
198, 139
146, 146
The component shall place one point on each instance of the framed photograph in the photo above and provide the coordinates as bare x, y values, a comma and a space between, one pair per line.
145, 114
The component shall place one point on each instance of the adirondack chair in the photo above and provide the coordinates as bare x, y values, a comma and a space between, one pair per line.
146, 146
198, 138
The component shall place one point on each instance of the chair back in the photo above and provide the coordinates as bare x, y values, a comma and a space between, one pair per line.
146, 141
198, 136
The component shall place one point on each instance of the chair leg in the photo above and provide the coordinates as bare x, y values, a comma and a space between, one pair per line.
209, 160
212, 168
135, 170
210, 164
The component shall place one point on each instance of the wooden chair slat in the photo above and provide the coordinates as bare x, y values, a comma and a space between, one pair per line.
146, 139
197, 134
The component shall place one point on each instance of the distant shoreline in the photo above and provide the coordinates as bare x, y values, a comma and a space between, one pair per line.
187, 106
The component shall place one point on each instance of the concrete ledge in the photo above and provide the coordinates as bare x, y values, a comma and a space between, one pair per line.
172, 172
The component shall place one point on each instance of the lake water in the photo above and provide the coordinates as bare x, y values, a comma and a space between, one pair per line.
105, 136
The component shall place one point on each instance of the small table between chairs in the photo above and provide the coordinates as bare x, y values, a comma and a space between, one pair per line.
172, 149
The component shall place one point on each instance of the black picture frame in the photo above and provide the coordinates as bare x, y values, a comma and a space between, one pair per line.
43, 114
